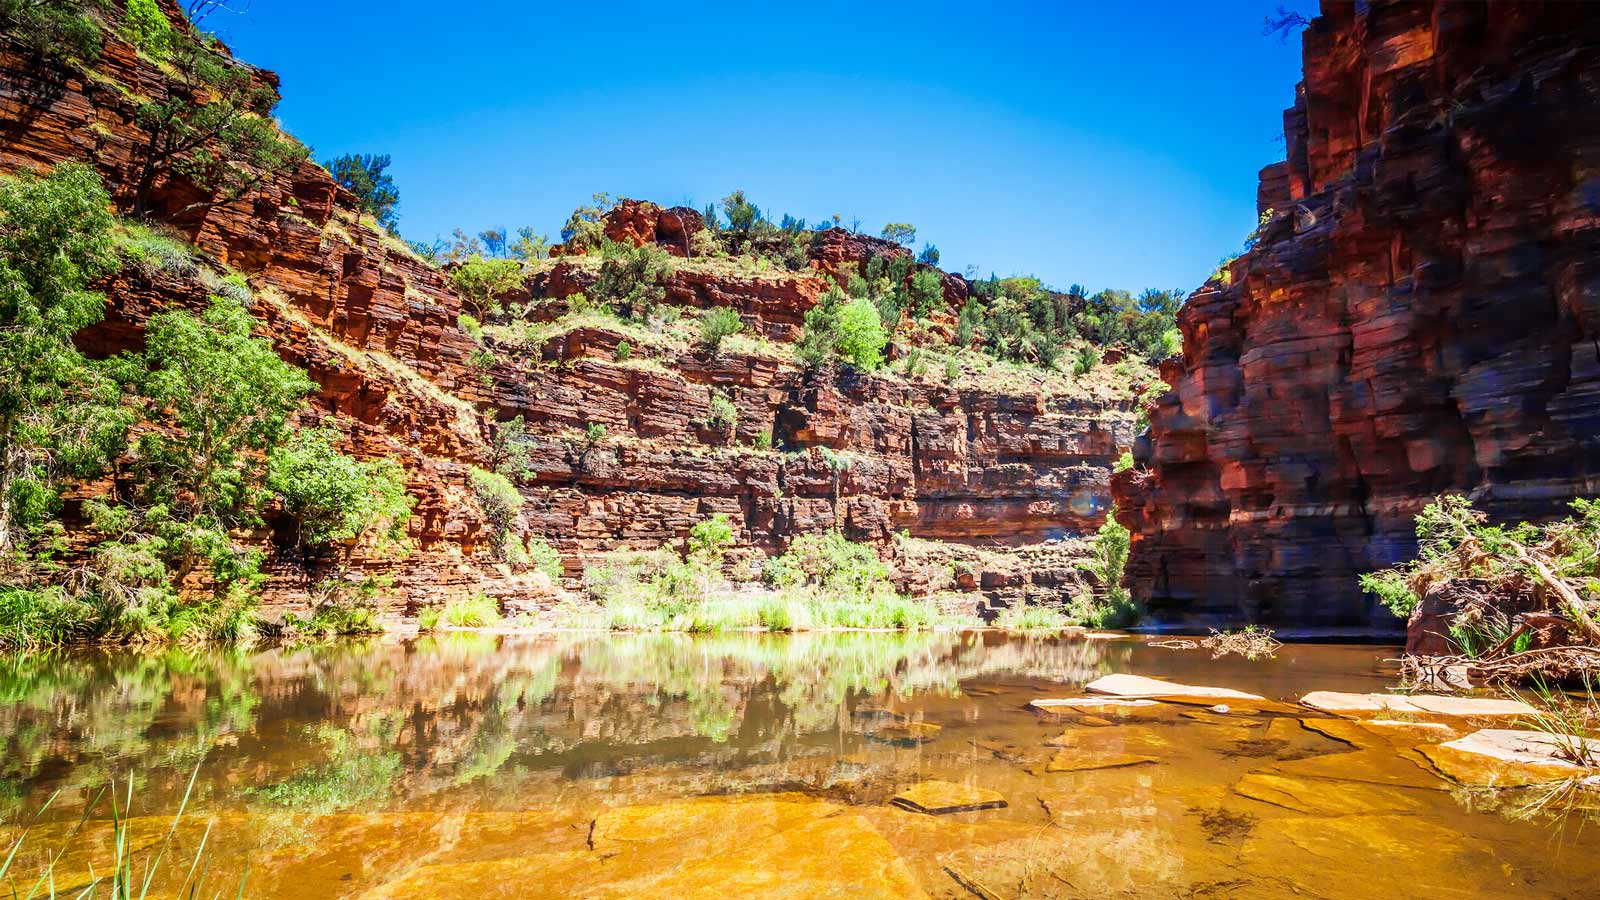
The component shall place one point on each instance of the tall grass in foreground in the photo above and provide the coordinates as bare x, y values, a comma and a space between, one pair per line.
1569, 723
128, 877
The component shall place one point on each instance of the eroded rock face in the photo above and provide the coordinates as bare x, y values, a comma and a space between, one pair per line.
1420, 314
377, 329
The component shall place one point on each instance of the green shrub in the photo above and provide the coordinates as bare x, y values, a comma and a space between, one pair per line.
470, 325
53, 28
1124, 462
723, 414
44, 617
624, 350
586, 227
632, 279
474, 612
1026, 617
594, 432
716, 324
710, 539
831, 563
1085, 360
364, 175
148, 28
334, 497
1107, 562
500, 502
545, 558
480, 281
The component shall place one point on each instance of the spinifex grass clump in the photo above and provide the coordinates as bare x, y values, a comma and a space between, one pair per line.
132, 872
1026, 617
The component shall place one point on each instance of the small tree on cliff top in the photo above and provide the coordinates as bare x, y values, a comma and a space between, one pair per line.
214, 129
364, 175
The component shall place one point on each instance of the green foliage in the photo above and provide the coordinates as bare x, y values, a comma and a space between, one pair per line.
227, 397
833, 564
1456, 541
1026, 617
148, 28
929, 255
632, 279
723, 414
44, 617
217, 132
60, 415
475, 612
353, 776
900, 232
716, 324
594, 433
545, 558
480, 281
54, 28
1124, 462
586, 227
926, 293
710, 539
849, 331
364, 175
500, 502
511, 456
1084, 361
1114, 608
470, 325
860, 336
334, 497
624, 351
529, 246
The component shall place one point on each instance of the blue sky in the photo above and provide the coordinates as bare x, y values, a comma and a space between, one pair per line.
1104, 144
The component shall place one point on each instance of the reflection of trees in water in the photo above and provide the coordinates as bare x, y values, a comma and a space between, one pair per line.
326, 727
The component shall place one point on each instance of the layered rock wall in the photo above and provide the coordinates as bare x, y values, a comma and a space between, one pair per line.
1420, 314
377, 329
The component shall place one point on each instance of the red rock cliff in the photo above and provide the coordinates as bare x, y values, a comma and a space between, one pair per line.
377, 329
1421, 313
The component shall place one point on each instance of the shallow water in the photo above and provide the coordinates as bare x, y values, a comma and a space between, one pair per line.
472, 765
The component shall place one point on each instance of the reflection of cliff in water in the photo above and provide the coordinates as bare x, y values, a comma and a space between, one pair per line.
322, 728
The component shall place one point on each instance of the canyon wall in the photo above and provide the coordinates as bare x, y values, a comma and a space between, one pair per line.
983, 461
1420, 313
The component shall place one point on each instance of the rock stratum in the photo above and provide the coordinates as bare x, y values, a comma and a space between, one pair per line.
1420, 313
973, 461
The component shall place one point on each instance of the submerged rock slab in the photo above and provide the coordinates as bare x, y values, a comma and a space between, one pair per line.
1087, 703
1073, 760
1138, 686
1432, 704
1509, 757
781, 846
938, 798
1322, 796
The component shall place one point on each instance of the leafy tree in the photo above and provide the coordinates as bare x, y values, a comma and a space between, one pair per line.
337, 498
901, 233
54, 28
223, 396
929, 255
494, 241
632, 279
861, 336
710, 539
364, 175
1108, 558
586, 227
479, 281
926, 293
215, 129
510, 449
59, 413
529, 246
148, 27
716, 324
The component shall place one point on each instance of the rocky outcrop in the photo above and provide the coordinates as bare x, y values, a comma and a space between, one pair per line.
377, 329
1420, 313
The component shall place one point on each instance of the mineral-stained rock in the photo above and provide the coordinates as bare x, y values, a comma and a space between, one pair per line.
937, 798
1420, 313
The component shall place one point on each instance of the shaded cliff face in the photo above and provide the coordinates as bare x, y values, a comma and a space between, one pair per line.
1420, 314
1008, 459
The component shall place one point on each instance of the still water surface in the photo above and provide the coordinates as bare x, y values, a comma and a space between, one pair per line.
475, 765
